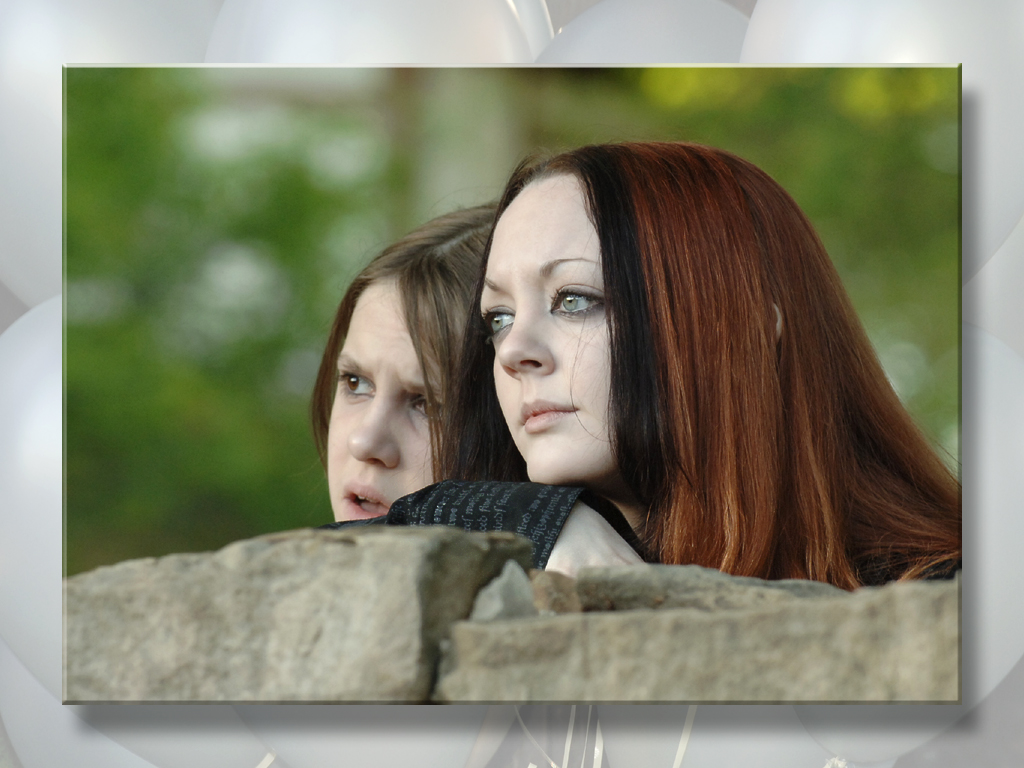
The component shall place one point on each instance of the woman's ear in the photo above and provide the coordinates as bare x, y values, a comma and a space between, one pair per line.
778, 323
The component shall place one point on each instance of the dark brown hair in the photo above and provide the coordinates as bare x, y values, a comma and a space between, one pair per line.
434, 267
775, 457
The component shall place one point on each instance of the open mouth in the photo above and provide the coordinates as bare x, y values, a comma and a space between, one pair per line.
367, 503
360, 507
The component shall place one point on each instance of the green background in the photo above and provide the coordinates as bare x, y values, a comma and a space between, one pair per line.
215, 216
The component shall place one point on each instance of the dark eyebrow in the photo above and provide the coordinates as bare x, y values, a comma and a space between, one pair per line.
549, 266
546, 269
349, 365
346, 362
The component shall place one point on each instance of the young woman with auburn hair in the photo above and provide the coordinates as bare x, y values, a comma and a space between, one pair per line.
748, 425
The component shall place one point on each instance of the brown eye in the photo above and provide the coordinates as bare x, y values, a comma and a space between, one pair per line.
355, 384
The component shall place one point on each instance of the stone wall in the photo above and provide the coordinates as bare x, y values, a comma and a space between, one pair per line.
421, 614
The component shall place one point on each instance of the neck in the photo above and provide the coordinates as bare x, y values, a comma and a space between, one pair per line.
636, 516
632, 510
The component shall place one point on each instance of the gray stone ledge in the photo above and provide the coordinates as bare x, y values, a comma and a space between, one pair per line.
305, 615
630, 587
380, 615
895, 643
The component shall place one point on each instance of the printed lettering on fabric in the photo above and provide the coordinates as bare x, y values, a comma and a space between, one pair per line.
535, 511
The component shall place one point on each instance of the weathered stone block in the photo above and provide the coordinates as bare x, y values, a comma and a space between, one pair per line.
895, 643
305, 615
554, 592
687, 586
509, 596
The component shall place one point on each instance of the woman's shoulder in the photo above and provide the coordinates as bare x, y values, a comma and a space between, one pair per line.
533, 510
443, 502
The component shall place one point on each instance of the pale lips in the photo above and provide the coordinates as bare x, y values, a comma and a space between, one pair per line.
540, 415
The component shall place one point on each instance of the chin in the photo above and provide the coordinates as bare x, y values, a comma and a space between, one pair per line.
548, 477
571, 464
552, 472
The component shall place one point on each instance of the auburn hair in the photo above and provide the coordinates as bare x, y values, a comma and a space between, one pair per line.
759, 453
434, 268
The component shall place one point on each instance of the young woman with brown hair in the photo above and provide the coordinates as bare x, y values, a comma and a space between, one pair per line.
662, 325
389, 363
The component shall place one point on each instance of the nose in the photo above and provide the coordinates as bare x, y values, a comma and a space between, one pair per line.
373, 439
524, 348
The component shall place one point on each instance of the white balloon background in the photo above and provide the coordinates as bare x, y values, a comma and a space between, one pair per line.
366, 737
37, 36
650, 31
45, 733
383, 32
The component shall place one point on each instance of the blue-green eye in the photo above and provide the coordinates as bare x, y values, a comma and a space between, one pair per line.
497, 322
570, 303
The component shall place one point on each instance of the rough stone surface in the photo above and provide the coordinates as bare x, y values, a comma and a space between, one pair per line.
687, 586
895, 643
379, 614
509, 596
554, 592
307, 615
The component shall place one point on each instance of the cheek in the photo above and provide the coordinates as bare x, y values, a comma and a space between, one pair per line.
591, 376
337, 445
599, 393
412, 434
507, 392
417, 448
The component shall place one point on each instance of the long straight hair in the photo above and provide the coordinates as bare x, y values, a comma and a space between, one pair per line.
777, 455
434, 268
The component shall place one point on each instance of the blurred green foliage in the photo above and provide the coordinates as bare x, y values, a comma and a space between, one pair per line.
214, 218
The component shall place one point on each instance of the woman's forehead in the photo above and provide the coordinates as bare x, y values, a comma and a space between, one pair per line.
548, 197
378, 335
545, 229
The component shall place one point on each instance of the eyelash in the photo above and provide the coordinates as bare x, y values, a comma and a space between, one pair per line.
345, 379
417, 401
556, 300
